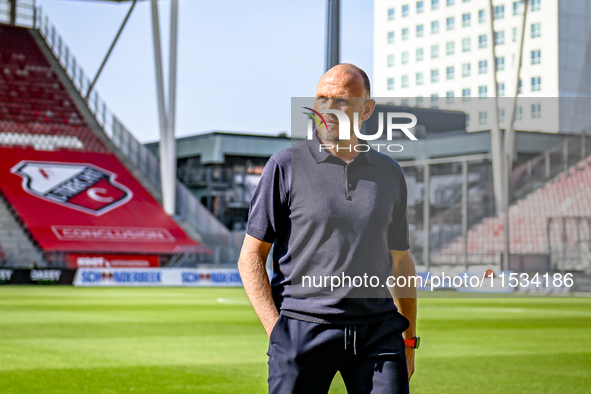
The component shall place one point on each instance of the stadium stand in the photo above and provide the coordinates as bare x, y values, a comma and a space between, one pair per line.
545, 222
37, 110
42, 110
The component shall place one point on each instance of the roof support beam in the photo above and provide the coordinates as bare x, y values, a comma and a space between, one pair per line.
98, 73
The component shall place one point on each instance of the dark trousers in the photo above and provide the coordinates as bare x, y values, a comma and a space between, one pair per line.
304, 357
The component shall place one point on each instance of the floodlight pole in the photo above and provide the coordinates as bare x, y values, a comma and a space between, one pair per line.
510, 136
166, 113
509, 144
426, 216
495, 132
174, 13
333, 31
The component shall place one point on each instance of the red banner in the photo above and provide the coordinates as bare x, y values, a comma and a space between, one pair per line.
76, 260
86, 202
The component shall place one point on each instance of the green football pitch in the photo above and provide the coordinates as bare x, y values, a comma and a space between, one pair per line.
178, 340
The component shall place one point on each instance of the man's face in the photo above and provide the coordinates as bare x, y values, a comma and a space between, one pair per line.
341, 89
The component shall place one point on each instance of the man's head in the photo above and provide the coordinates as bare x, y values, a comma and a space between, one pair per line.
344, 87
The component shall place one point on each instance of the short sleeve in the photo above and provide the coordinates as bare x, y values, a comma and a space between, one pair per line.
398, 229
267, 206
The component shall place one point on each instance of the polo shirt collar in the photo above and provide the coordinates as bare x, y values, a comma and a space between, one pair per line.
321, 155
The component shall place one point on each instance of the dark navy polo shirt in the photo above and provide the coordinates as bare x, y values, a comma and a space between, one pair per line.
328, 217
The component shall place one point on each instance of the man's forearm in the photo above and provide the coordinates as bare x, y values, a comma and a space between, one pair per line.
408, 308
405, 298
253, 273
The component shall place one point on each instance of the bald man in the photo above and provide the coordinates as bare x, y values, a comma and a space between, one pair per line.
330, 208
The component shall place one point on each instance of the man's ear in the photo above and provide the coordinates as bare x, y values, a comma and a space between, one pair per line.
368, 108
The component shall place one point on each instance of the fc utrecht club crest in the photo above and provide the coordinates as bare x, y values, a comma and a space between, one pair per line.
83, 187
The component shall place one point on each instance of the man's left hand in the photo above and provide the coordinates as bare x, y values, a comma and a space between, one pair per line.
410, 361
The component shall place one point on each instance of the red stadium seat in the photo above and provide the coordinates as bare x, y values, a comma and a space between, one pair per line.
33, 101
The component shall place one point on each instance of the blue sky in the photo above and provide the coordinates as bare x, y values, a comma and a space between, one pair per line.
239, 62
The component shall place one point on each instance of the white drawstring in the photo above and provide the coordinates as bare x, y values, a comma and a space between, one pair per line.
355, 340
347, 335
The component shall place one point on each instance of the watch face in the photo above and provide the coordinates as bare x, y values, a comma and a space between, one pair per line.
417, 342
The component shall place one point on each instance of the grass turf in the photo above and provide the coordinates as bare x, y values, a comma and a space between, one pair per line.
177, 340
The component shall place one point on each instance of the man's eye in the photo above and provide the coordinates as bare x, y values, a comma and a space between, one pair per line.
321, 100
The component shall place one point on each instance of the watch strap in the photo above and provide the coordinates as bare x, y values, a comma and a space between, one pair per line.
413, 342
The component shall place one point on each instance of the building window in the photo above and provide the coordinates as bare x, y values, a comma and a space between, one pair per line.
499, 37
514, 34
520, 87
536, 5
405, 8
466, 45
419, 101
466, 70
420, 30
467, 115
450, 23
404, 57
499, 12
405, 34
450, 72
519, 114
404, 102
482, 117
482, 41
501, 89
419, 79
434, 76
482, 91
465, 20
482, 66
449, 97
420, 7
434, 51
517, 7
466, 94
419, 54
434, 100
404, 81
536, 110
536, 30
450, 48
450, 2
536, 56
390, 60
390, 37
434, 4
501, 115
390, 83
536, 84
501, 63
481, 18
434, 27
390, 14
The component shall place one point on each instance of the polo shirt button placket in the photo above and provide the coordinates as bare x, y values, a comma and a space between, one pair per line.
347, 184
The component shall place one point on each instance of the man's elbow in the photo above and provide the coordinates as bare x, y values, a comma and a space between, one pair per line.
254, 252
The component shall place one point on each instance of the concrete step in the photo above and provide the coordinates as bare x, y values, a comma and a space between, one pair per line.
15, 241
